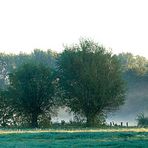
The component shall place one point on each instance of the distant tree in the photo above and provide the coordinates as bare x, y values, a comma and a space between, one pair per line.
6, 110
45, 57
130, 62
126, 60
90, 78
141, 65
32, 90
3, 70
9, 62
142, 120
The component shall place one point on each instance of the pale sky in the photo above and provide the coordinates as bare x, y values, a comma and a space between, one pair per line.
48, 24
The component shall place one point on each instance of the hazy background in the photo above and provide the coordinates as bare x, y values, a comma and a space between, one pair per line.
136, 102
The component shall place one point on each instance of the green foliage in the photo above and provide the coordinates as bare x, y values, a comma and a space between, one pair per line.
46, 58
130, 62
91, 80
32, 90
6, 110
142, 120
9, 62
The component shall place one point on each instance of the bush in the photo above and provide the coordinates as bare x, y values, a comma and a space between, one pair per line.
142, 120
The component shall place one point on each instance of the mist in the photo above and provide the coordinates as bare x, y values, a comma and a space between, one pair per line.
136, 101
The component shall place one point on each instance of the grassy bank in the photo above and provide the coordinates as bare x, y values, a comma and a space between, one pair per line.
118, 129
125, 137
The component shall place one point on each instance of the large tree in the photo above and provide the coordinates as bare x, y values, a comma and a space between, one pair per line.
32, 90
91, 80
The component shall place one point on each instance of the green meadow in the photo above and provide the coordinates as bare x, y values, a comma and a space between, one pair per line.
114, 138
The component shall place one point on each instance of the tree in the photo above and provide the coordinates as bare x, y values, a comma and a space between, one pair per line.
32, 90
130, 62
91, 80
9, 62
3, 70
6, 110
142, 120
44, 57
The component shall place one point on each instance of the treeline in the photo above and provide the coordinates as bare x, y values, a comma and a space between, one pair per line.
86, 78
136, 77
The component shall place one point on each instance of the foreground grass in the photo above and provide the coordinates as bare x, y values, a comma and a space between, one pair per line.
126, 137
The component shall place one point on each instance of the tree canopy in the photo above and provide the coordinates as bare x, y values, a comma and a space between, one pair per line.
32, 90
91, 80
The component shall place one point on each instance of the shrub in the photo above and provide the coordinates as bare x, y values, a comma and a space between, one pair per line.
142, 120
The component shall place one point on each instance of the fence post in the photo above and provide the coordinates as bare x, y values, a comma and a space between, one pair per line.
121, 124
126, 124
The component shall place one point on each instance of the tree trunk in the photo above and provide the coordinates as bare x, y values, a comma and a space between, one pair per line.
3, 122
90, 121
34, 122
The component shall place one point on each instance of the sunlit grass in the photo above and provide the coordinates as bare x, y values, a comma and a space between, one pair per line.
109, 137
11, 131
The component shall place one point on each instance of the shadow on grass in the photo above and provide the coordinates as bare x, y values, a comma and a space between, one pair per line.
79, 139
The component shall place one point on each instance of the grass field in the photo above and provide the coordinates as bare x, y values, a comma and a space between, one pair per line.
127, 138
